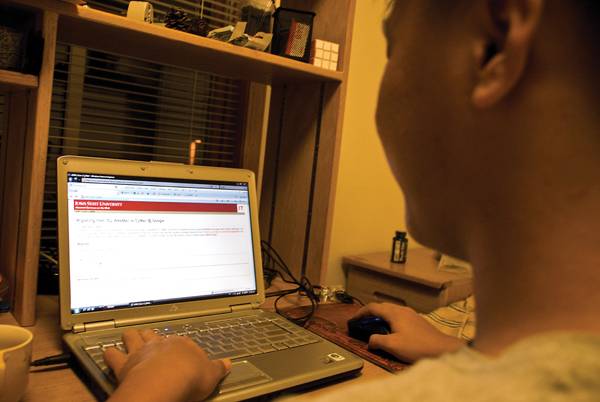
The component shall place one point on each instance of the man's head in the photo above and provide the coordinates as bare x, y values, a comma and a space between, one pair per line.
486, 112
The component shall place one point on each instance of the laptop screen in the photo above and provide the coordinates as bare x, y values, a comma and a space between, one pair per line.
139, 241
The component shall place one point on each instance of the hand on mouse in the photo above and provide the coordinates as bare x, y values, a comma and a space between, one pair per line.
163, 369
412, 337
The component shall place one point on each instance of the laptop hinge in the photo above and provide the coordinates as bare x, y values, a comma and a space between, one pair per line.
174, 315
91, 326
242, 307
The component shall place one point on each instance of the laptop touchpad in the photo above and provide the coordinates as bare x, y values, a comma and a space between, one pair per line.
243, 374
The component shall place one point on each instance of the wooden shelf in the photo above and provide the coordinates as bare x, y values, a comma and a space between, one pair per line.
104, 31
12, 80
292, 135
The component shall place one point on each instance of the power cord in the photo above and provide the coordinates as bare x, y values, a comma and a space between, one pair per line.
274, 263
344, 297
63, 358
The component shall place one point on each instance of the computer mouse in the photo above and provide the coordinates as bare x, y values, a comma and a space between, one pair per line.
362, 328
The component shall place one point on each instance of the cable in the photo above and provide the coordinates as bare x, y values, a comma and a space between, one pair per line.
274, 265
63, 358
272, 261
344, 297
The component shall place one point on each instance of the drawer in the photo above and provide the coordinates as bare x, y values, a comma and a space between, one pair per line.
369, 286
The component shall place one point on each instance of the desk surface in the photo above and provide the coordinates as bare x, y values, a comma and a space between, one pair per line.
63, 384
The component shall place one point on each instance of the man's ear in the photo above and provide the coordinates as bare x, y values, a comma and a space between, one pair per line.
509, 29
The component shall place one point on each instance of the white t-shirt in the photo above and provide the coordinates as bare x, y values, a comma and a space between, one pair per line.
546, 368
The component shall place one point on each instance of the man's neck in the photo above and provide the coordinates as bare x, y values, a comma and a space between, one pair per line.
533, 285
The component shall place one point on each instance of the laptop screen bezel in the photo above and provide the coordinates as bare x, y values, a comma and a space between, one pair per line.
70, 164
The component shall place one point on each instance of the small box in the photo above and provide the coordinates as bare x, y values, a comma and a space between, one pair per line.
16, 27
292, 33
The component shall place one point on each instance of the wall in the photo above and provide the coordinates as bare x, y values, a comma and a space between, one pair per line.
369, 205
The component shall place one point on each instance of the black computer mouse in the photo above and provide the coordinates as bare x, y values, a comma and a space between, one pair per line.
362, 328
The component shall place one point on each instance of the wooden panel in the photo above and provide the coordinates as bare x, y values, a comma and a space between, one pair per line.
34, 169
3, 143
257, 121
10, 80
11, 191
268, 194
291, 150
104, 31
325, 182
330, 126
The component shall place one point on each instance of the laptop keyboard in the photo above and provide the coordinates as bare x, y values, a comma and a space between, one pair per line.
232, 338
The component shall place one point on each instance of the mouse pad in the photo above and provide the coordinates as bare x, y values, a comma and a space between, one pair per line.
329, 322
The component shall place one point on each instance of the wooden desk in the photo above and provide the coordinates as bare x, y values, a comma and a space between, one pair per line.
49, 385
46, 384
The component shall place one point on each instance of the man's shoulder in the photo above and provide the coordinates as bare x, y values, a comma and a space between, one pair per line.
557, 367
564, 366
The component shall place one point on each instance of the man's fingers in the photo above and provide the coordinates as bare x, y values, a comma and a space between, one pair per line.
387, 343
378, 309
369, 309
115, 359
133, 340
222, 367
227, 365
149, 335
362, 311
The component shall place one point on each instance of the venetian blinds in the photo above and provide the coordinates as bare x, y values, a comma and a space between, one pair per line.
117, 106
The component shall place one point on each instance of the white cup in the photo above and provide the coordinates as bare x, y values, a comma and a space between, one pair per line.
15, 355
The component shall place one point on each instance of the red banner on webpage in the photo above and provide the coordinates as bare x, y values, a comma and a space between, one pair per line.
104, 205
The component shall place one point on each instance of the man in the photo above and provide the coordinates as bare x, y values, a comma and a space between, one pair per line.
489, 116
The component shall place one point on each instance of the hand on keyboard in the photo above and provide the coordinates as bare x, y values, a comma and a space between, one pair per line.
157, 368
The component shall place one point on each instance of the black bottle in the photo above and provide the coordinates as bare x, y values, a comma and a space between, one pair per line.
399, 246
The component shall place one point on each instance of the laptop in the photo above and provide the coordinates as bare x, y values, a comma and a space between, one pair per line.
175, 248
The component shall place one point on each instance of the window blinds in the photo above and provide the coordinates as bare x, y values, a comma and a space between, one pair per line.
116, 106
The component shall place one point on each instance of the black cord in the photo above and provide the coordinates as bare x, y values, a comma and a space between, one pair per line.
346, 298
63, 358
274, 264
272, 261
